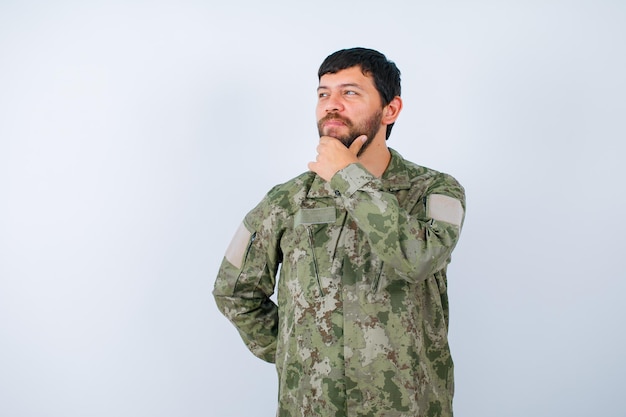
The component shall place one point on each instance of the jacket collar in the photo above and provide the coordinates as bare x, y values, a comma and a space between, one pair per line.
395, 177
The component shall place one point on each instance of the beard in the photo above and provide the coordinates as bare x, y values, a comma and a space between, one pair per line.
368, 127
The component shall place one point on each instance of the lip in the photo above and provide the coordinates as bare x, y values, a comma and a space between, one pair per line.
334, 123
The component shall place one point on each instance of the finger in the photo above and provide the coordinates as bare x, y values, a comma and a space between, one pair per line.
324, 142
358, 144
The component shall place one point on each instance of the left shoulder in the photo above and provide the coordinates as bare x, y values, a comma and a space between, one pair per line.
419, 172
431, 181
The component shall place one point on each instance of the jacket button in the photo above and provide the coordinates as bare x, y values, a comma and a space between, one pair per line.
337, 193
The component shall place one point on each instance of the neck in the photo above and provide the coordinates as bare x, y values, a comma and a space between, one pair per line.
376, 157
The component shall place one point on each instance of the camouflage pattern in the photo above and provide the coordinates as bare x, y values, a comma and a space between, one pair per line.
361, 321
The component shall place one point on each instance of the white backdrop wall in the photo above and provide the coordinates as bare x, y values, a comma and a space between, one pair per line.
135, 135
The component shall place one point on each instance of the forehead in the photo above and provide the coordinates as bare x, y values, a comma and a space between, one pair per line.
348, 76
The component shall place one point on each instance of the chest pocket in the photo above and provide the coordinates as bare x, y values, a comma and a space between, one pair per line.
311, 216
308, 254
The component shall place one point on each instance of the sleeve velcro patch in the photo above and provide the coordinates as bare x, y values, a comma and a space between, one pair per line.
237, 248
446, 209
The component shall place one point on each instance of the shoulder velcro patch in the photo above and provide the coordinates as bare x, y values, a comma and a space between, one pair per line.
445, 208
237, 248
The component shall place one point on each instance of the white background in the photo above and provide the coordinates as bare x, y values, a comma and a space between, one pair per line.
134, 136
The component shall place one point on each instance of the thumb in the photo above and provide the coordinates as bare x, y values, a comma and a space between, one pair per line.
358, 144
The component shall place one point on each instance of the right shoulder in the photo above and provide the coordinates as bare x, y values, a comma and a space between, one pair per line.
290, 194
282, 201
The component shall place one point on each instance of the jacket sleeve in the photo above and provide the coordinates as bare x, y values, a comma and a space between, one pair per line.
415, 241
246, 280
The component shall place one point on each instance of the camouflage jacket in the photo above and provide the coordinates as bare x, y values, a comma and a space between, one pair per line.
361, 319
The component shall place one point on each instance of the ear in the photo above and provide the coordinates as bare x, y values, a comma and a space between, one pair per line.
392, 110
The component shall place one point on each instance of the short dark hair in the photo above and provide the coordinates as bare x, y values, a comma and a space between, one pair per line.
385, 73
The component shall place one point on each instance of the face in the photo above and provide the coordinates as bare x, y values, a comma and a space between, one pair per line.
349, 106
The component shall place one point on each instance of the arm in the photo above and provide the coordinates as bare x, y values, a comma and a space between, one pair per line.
246, 281
416, 239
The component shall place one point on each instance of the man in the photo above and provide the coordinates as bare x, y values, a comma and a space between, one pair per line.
362, 241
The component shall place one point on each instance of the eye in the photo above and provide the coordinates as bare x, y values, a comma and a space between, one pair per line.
350, 93
322, 94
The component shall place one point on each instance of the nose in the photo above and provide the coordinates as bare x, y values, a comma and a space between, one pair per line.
333, 104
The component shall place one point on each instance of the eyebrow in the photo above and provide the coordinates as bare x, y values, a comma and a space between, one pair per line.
323, 87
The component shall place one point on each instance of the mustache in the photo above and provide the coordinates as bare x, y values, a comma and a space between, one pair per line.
334, 116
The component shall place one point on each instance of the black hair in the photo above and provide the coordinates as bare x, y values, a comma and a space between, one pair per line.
385, 73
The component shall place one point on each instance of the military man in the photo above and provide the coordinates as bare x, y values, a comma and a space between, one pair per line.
362, 242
